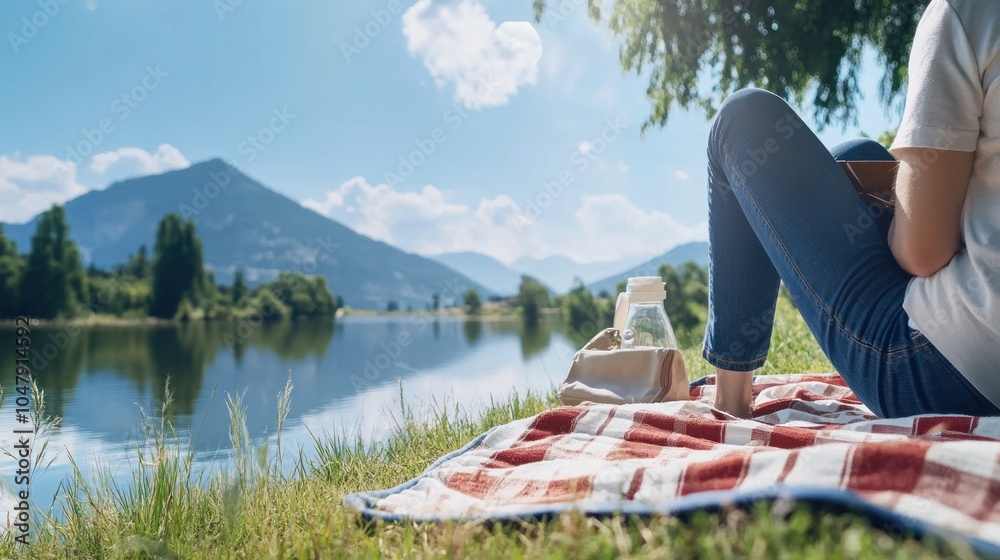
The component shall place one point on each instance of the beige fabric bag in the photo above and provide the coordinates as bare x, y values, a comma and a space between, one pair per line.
603, 372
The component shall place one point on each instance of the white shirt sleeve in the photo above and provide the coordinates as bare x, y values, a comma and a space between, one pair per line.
945, 94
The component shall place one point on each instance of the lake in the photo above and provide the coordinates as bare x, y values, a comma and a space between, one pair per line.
348, 379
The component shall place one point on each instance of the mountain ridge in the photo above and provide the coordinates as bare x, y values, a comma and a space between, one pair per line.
245, 224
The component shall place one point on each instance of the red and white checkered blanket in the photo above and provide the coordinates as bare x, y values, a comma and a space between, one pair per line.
809, 432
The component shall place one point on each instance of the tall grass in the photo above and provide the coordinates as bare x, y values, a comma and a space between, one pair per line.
268, 505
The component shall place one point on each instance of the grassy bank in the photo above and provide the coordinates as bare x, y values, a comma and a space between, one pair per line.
171, 512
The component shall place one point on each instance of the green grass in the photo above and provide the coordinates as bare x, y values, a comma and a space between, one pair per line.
169, 512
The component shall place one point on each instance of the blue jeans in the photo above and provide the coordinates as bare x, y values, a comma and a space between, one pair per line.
781, 209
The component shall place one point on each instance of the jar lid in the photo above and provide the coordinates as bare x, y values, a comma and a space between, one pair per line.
646, 289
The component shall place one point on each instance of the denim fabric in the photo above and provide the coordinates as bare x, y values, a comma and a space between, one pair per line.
781, 209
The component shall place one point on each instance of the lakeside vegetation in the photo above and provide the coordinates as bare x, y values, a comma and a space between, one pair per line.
168, 510
173, 284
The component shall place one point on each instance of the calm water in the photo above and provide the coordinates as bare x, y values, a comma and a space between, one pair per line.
348, 377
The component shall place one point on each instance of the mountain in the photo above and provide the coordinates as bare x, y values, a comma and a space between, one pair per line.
697, 252
486, 270
243, 224
560, 272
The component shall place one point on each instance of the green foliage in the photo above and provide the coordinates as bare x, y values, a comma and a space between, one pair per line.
139, 266
532, 296
887, 138
239, 289
585, 314
793, 48
121, 296
435, 301
304, 296
10, 276
268, 306
687, 296
53, 283
473, 302
177, 266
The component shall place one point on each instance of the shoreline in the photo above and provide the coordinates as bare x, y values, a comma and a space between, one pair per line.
110, 321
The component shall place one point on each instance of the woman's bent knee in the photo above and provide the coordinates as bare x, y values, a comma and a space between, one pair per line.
754, 105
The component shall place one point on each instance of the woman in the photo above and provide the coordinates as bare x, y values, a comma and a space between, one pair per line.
906, 306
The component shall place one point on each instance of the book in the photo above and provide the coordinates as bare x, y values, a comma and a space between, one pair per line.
875, 181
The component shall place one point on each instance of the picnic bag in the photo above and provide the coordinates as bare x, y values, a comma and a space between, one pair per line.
604, 372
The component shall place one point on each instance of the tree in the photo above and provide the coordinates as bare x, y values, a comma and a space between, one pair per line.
532, 296
583, 312
239, 289
435, 301
392, 306
304, 296
792, 48
687, 294
178, 270
10, 275
473, 302
138, 265
53, 282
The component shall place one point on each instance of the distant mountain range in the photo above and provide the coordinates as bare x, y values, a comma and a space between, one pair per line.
484, 269
243, 224
560, 272
696, 252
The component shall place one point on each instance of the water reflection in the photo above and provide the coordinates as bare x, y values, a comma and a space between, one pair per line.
348, 377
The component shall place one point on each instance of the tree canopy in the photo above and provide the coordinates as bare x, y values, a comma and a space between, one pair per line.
53, 283
532, 296
802, 50
10, 273
178, 268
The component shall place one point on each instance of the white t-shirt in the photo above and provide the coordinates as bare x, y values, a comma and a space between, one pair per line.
953, 103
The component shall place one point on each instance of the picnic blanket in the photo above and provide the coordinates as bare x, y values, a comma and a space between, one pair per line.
810, 439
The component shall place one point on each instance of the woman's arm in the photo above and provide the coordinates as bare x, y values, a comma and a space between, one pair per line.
926, 230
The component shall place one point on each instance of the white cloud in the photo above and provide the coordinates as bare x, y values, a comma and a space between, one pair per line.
165, 158
462, 46
682, 175
33, 184
30, 185
374, 210
623, 167
428, 222
610, 225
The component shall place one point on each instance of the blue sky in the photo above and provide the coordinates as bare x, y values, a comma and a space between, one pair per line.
322, 101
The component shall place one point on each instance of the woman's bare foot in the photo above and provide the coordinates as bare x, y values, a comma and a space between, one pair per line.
734, 392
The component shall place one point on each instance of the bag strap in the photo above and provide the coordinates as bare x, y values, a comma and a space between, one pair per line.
673, 364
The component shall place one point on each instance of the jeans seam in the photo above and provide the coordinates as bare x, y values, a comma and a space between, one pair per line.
734, 362
784, 251
747, 366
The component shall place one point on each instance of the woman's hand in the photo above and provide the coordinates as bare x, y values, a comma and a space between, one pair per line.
926, 230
